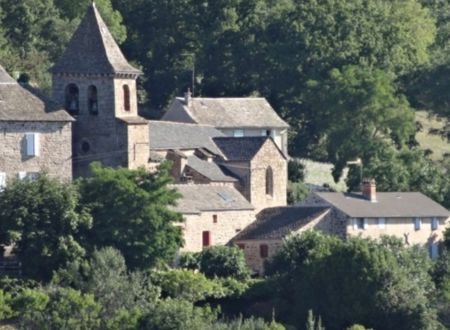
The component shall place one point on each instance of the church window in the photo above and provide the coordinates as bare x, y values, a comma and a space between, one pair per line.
126, 98
85, 147
269, 181
72, 99
92, 100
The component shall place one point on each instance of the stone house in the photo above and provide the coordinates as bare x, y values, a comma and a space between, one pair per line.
264, 238
411, 216
97, 86
235, 117
213, 215
35, 134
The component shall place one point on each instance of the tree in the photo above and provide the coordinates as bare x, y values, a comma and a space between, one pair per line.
377, 284
131, 212
43, 221
224, 261
359, 112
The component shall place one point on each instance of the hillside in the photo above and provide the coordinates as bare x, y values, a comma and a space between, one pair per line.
431, 141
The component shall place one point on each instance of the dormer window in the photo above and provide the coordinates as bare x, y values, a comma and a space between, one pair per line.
92, 100
72, 99
126, 98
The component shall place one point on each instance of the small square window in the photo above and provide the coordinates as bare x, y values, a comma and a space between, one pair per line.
417, 223
214, 218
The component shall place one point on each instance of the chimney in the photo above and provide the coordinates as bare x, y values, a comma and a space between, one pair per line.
369, 190
188, 97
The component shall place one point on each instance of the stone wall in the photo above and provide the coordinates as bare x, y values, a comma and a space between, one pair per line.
251, 248
268, 155
55, 157
228, 224
101, 137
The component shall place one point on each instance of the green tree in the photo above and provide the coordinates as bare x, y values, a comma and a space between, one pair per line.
131, 212
75, 10
358, 111
43, 221
371, 283
224, 261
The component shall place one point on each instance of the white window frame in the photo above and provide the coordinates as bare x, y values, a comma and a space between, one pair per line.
32, 144
365, 223
382, 223
417, 223
21, 175
356, 222
434, 224
238, 133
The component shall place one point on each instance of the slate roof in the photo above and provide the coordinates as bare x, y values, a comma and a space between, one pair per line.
211, 170
92, 50
169, 135
278, 222
248, 112
197, 198
240, 148
18, 103
389, 204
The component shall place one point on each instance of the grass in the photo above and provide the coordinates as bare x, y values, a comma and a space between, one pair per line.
432, 142
317, 174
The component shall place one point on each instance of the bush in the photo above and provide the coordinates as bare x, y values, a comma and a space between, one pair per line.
297, 192
296, 171
189, 260
175, 314
224, 261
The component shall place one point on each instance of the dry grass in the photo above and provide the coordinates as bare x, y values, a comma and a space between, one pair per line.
433, 142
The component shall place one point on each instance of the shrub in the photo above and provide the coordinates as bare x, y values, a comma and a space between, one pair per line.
224, 261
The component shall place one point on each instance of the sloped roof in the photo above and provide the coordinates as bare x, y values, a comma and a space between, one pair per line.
170, 135
18, 103
278, 222
93, 50
389, 204
240, 148
198, 198
211, 170
249, 112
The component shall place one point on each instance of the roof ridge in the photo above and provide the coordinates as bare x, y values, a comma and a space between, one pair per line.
180, 123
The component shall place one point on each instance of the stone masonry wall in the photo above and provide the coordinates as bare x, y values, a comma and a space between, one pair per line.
268, 155
99, 137
228, 224
55, 149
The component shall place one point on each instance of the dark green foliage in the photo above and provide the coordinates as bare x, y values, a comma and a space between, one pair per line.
297, 192
130, 212
174, 314
43, 221
106, 276
224, 261
296, 171
380, 285
189, 260
59, 308
246, 324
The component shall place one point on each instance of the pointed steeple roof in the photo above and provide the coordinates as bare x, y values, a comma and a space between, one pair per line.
93, 50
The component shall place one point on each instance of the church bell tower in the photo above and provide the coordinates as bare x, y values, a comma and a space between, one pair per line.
97, 86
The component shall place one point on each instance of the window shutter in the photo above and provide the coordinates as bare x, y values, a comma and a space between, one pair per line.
418, 224
2, 180
32, 142
206, 238
434, 224
22, 175
381, 223
355, 224
366, 223
434, 250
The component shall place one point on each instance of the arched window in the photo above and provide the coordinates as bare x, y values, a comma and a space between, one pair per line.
92, 100
72, 99
126, 97
269, 181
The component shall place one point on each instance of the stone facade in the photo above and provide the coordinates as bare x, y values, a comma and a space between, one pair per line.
99, 135
268, 157
252, 247
222, 225
55, 154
